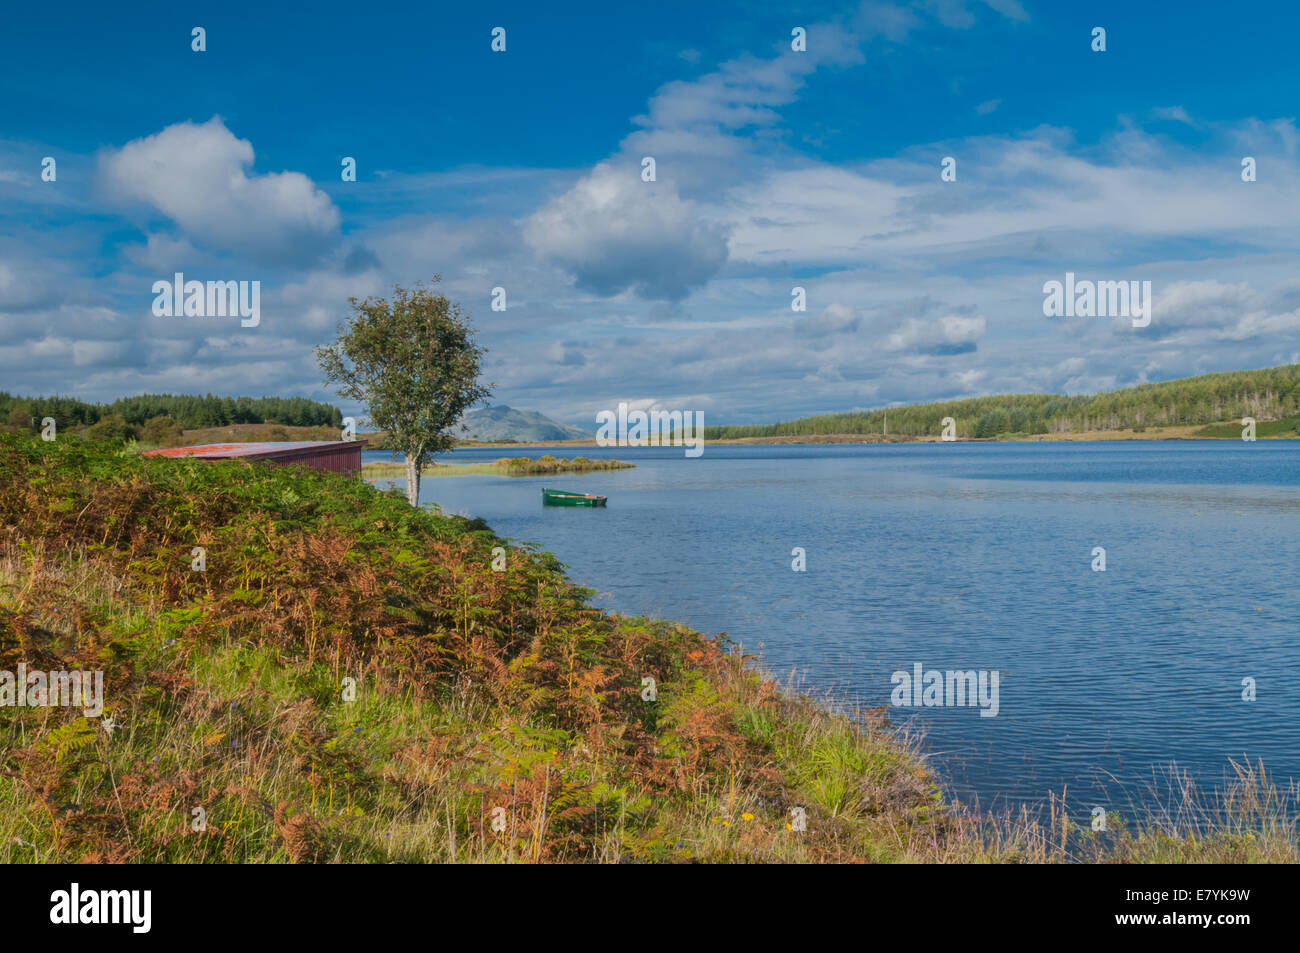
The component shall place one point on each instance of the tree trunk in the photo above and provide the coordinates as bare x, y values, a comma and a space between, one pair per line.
413, 468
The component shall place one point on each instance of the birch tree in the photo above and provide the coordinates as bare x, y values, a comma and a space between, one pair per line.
413, 362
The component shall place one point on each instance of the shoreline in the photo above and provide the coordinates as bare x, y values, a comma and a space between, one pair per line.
505, 466
1100, 436
262, 432
420, 652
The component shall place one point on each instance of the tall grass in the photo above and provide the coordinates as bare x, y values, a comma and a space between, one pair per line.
497, 716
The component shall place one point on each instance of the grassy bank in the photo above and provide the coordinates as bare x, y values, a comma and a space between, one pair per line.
506, 466
481, 696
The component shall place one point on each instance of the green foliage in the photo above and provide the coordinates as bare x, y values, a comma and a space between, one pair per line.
414, 363
524, 466
111, 427
189, 411
160, 431
476, 691
1286, 427
71, 738
477, 687
1210, 398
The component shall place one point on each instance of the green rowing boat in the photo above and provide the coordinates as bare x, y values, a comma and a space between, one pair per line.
564, 498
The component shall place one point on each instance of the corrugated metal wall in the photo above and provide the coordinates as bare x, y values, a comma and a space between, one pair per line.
335, 456
345, 458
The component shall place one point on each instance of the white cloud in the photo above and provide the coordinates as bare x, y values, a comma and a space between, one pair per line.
615, 233
952, 334
901, 269
164, 253
836, 318
197, 176
93, 353
1036, 188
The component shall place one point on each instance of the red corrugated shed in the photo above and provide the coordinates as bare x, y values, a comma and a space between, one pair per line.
337, 456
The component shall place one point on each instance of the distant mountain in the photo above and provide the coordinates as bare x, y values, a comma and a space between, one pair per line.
506, 423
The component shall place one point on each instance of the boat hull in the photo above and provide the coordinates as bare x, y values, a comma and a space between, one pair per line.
565, 498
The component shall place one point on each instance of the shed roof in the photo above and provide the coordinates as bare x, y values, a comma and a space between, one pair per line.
219, 451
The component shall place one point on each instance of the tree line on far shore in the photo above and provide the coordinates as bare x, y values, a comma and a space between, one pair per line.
160, 418
1269, 394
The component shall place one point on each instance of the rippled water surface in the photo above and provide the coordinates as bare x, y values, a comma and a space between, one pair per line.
971, 556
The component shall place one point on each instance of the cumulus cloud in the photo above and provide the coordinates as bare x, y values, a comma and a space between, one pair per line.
19, 289
567, 354
1199, 315
948, 335
1206, 304
835, 319
164, 253
614, 233
198, 176
1034, 190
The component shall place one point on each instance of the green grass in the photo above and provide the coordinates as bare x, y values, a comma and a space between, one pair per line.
505, 466
383, 470
1286, 428
480, 695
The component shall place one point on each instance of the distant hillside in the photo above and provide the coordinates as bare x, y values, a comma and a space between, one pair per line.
1269, 394
506, 423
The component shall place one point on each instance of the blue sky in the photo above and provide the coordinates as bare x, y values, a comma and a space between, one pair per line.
774, 169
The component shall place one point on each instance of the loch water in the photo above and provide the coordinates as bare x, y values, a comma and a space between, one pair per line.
970, 556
